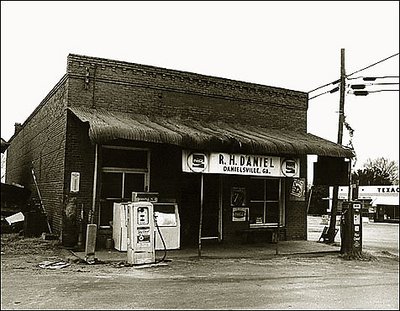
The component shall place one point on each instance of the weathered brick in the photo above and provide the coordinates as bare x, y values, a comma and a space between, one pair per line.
56, 143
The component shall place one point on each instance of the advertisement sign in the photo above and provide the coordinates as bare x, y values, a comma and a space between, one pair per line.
240, 214
240, 164
238, 196
369, 192
75, 177
298, 189
196, 162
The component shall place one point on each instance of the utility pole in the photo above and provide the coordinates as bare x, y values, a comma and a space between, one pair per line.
342, 89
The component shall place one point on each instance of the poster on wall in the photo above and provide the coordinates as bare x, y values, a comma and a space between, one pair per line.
238, 196
240, 214
298, 189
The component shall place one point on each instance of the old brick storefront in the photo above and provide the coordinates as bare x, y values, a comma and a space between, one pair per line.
109, 128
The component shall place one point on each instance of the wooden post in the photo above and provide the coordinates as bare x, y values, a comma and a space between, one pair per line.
277, 233
90, 246
342, 89
342, 96
279, 222
201, 211
94, 184
350, 194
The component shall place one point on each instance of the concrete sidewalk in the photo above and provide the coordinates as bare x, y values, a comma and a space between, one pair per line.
265, 250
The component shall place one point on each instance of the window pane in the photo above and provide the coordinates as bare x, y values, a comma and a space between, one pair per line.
272, 189
272, 212
256, 213
124, 158
256, 189
133, 182
111, 185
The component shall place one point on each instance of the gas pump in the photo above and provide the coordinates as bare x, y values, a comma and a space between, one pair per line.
140, 237
351, 227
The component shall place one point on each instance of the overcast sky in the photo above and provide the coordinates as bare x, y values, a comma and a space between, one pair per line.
294, 45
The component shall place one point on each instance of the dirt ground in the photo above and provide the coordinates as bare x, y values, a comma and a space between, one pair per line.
284, 282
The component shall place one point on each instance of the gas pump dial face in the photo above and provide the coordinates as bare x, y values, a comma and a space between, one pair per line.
143, 216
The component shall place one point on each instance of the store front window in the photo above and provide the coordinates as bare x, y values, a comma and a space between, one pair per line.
124, 170
266, 206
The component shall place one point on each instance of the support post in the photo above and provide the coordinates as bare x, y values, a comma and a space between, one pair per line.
91, 220
201, 211
342, 89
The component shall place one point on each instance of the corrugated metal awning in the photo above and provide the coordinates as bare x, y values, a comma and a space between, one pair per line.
212, 136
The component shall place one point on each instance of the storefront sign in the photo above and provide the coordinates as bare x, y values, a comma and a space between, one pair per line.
367, 192
240, 164
370, 192
196, 162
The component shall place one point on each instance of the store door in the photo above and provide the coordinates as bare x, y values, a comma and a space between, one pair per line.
211, 207
190, 208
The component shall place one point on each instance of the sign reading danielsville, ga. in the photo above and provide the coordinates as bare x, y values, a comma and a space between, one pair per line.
239, 164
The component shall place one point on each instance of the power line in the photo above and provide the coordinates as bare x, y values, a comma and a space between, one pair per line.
362, 86
385, 59
365, 92
369, 66
331, 91
372, 78
320, 87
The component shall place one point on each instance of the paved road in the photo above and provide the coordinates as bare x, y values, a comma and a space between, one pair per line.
377, 237
297, 282
281, 282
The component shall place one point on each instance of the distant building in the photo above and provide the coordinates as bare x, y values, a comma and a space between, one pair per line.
380, 203
109, 128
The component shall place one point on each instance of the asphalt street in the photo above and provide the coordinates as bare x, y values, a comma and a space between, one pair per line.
302, 281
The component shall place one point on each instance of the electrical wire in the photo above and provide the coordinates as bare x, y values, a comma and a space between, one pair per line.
337, 81
331, 91
364, 92
364, 85
317, 95
320, 87
358, 89
383, 83
385, 59
163, 242
372, 78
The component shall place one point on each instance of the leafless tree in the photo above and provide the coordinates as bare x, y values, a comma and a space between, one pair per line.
379, 171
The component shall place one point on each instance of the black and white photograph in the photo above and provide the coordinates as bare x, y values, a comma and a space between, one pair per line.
200, 155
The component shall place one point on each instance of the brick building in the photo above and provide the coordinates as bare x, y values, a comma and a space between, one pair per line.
123, 127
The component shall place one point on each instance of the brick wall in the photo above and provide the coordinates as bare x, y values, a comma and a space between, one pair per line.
79, 157
58, 145
126, 87
41, 144
132, 88
296, 211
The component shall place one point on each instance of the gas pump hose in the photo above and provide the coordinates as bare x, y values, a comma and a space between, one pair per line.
163, 242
